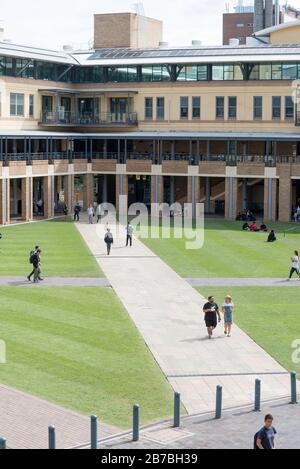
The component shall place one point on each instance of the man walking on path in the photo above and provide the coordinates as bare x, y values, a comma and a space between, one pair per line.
77, 210
91, 214
33, 261
129, 233
295, 265
109, 241
211, 315
37, 266
265, 438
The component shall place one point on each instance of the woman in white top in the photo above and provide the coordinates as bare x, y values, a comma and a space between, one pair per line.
295, 265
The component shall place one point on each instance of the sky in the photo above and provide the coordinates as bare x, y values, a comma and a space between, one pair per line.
58, 22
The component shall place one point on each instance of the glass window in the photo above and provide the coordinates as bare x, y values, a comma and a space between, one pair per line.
148, 108
276, 71
202, 72
31, 105
254, 72
289, 108
276, 107
232, 107
47, 103
265, 72
121, 74
289, 71
191, 72
257, 107
16, 104
227, 72
196, 107
220, 111
184, 107
217, 72
160, 108
156, 73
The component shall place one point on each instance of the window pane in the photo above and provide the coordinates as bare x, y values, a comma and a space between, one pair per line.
220, 108
148, 108
160, 108
232, 103
217, 72
289, 71
184, 107
257, 107
196, 107
276, 107
276, 72
265, 72
289, 107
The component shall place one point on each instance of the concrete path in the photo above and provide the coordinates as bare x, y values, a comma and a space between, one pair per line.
242, 282
236, 430
168, 313
24, 422
55, 282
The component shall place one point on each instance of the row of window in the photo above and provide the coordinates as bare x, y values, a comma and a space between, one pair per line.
220, 108
40, 70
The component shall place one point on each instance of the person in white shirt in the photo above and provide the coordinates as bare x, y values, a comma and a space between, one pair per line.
295, 265
91, 214
98, 213
129, 237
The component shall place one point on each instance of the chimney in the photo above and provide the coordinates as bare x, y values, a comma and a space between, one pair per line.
269, 14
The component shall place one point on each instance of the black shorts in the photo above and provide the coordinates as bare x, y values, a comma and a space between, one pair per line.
211, 320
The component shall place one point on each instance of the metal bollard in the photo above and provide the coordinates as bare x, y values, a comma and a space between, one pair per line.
219, 399
2, 443
136, 422
52, 437
94, 432
257, 407
294, 388
177, 403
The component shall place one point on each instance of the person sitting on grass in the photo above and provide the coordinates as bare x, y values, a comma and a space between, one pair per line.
263, 228
253, 227
246, 227
272, 237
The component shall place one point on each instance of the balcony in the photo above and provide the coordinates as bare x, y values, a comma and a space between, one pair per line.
74, 119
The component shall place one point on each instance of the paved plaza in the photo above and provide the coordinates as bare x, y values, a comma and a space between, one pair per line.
24, 421
235, 430
167, 310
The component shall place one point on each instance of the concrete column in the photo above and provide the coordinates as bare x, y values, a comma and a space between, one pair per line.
193, 192
172, 189
270, 199
88, 190
207, 194
121, 189
27, 199
15, 196
285, 192
104, 189
231, 198
48, 196
69, 192
157, 189
4, 201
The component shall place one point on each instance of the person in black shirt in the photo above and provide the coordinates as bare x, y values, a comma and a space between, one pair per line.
272, 237
211, 315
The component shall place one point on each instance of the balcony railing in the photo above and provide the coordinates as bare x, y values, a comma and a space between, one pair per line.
104, 119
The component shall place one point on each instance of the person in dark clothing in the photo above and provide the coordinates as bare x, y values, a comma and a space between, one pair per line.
265, 438
109, 241
129, 235
77, 210
211, 315
246, 227
272, 237
33, 261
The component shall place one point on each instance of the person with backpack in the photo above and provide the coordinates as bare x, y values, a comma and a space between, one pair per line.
109, 240
37, 266
77, 210
129, 235
265, 438
33, 260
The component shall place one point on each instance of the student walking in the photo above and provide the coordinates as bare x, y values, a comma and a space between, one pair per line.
77, 210
98, 213
227, 310
129, 235
91, 214
109, 241
265, 438
211, 315
37, 266
295, 265
34, 259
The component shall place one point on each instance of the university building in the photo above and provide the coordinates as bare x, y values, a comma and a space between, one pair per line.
216, 125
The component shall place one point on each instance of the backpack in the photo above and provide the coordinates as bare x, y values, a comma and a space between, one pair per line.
32, 257
256, 438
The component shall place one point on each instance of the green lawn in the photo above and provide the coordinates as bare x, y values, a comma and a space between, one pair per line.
230, 252
65, 254
79, 349
269, 315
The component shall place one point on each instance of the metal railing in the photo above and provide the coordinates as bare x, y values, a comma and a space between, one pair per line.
88, 119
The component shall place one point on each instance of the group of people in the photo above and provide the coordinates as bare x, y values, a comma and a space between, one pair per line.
246, 215
254, 227
109, 239
212, 315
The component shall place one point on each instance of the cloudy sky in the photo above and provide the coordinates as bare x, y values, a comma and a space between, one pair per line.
56, 22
